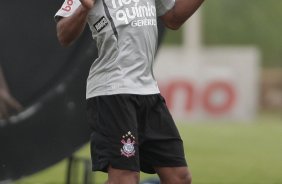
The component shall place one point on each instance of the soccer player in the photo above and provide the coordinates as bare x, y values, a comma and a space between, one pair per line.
132, 129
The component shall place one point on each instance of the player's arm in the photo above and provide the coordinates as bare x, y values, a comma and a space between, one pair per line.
69, 28
7, 101
181, 11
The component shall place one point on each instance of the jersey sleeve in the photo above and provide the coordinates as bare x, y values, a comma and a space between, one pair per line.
67, 9
163, 6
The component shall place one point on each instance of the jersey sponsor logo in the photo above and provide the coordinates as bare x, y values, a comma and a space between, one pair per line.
128, 141
131, 11
144, 22
101, 24
68, 5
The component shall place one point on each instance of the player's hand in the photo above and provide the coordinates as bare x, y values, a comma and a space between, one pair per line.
88, 4
8, 104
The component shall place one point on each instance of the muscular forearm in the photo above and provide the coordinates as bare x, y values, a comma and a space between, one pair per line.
69, 28
182, 10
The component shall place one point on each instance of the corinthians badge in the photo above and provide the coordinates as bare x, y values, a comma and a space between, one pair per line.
128, 141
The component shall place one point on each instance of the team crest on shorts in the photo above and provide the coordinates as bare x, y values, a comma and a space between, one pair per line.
128, 141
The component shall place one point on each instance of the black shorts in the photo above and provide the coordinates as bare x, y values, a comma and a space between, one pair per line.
133, 132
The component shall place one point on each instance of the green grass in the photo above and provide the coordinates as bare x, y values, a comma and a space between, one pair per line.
235, 152
224, 152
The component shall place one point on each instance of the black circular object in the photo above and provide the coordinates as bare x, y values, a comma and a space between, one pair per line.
49, 81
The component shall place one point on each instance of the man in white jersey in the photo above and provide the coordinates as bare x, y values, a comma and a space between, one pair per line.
132, 129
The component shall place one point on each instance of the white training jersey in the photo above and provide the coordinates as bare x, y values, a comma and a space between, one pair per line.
126, 35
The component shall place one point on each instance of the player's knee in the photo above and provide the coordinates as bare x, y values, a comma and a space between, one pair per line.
134, 176
123, 177
184, 178
188, 178
180, 177
177, 175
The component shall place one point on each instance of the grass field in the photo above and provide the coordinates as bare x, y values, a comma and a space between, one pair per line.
218, 153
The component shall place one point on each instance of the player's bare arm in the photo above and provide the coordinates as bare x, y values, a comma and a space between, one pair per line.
182, 10
70, 28
7, 101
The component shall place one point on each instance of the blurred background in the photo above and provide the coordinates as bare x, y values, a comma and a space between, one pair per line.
221, 75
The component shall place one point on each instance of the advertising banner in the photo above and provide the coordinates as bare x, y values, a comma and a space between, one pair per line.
209, 83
